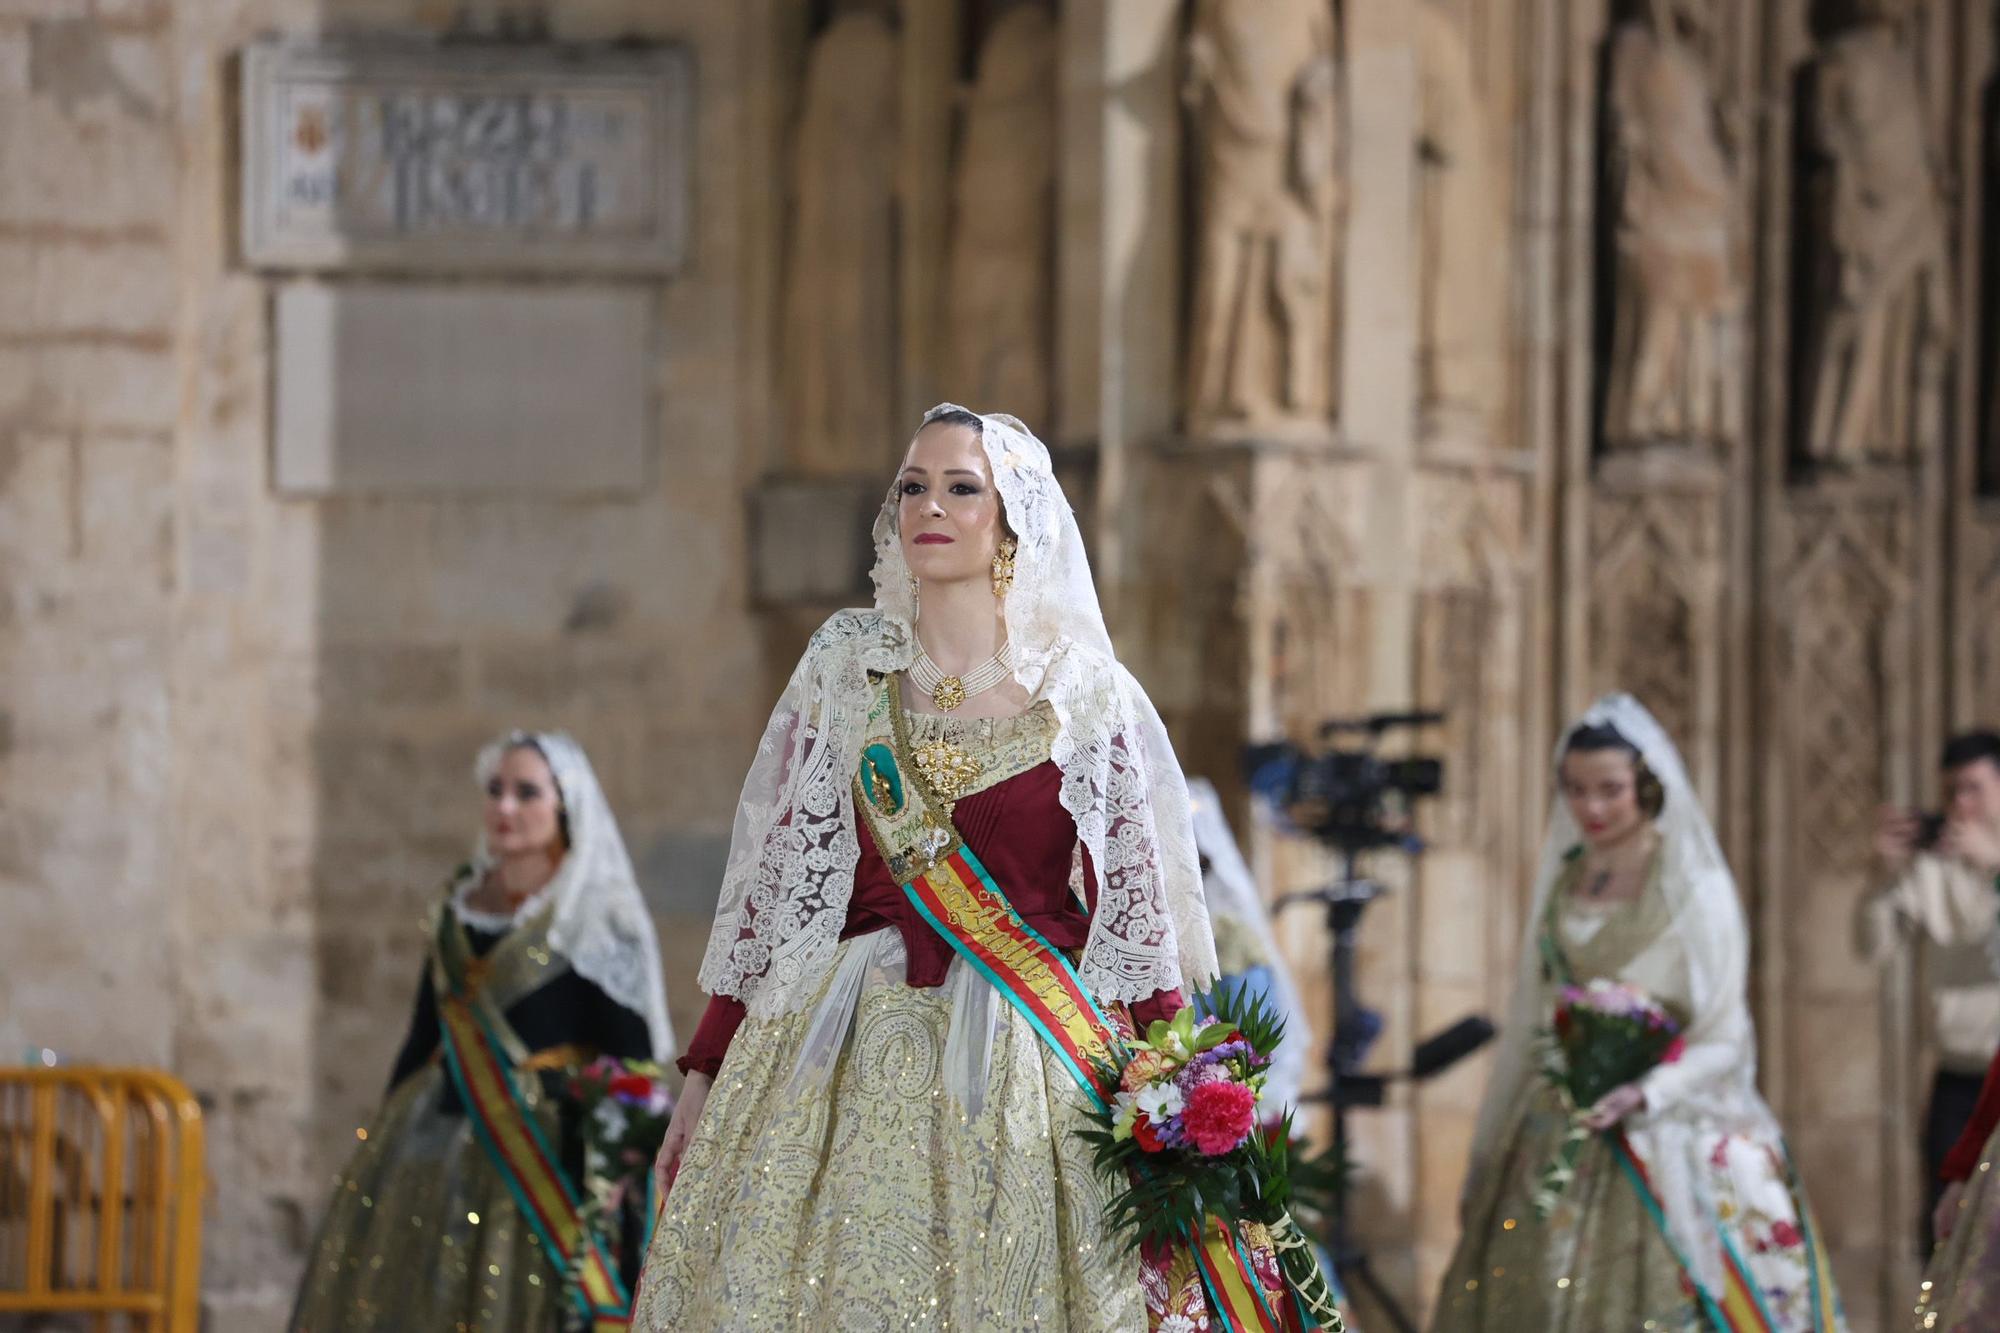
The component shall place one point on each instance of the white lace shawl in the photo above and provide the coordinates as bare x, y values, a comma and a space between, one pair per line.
599, 920
794, 848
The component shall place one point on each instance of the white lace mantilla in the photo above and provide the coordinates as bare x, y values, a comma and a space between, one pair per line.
793, 850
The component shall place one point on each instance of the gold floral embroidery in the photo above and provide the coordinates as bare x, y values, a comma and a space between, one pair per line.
875, 1202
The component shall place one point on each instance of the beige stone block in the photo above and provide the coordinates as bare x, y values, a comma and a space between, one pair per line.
13, 64
1820, 943
1836, 1065
1840, 1163
126, 510
37, 472
94, 170
246, 1025
531, 680
372, 677
263, 1206
254, 1310
90, 386
1858, 1275
44, 9
1444, 1147
86, 288
1451, 911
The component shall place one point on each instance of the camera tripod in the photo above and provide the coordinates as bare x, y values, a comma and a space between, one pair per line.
1345, 900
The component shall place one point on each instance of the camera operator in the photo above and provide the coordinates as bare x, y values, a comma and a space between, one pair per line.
1942, 896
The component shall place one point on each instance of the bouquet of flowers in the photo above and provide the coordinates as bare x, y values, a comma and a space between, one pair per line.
623, 1107
1606, 1034
1182, 1137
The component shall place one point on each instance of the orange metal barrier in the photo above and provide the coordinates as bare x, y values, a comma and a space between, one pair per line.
100, 1197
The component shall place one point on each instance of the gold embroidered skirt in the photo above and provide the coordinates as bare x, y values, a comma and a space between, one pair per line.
1599, 1261
869, 1198
422, 1235
1961, 1291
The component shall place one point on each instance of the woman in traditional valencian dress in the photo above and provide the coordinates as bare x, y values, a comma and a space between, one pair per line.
459, 1210
963, 849
1683, 1212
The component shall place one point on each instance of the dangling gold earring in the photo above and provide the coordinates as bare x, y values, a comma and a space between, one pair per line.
916, 597
1003, 567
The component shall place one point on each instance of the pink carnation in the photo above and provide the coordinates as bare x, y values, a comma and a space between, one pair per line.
1218, 1117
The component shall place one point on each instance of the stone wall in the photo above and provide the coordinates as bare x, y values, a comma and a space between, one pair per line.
236, 730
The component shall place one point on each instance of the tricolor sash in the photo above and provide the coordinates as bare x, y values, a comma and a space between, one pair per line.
954, 892
484, 1056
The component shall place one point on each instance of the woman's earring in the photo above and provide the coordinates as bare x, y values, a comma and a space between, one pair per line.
1003, 567
916, 597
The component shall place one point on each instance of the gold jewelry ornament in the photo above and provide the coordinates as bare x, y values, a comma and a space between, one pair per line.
1003, 567
948, 768
948, 692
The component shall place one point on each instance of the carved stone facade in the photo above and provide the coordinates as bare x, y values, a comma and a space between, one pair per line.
1263, 93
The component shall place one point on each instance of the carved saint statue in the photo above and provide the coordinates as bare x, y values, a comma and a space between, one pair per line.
1884, 314
839, 370
1262, 85
1462, 252
1678, 288
1002, 271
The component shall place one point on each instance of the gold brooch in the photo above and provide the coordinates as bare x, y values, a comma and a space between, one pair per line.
948, 769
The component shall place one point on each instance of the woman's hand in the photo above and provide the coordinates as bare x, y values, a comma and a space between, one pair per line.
680, 1130
1614, 1106
1944, 1219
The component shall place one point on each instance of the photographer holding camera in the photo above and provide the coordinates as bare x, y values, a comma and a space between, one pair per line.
1942, 894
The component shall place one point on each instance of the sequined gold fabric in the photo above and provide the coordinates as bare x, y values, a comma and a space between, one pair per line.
1961, 1289
422, 1233
1598, 1262
873, 1202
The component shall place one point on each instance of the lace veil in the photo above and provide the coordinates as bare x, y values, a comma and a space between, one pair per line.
793, 849
599, 920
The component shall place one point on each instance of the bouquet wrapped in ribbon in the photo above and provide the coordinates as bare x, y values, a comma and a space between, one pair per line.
1605, 1035
623, 1107
1198, 1172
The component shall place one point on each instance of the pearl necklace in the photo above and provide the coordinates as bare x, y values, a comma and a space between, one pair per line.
951, 692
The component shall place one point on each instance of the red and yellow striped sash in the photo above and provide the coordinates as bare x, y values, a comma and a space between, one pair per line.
520, 1152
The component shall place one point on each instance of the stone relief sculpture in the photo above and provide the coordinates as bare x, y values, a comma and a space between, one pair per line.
1875, 347
1462, 236
1002, 267
1678, 287
1262, 86
839, 340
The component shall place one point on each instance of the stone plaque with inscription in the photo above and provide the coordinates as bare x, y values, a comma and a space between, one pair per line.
434, 157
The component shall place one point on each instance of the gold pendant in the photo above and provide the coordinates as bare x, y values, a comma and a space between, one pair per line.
949, 694
948, 769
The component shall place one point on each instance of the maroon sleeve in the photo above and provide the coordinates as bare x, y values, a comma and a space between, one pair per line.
711, 1039
1963, 1159
1160, 1008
